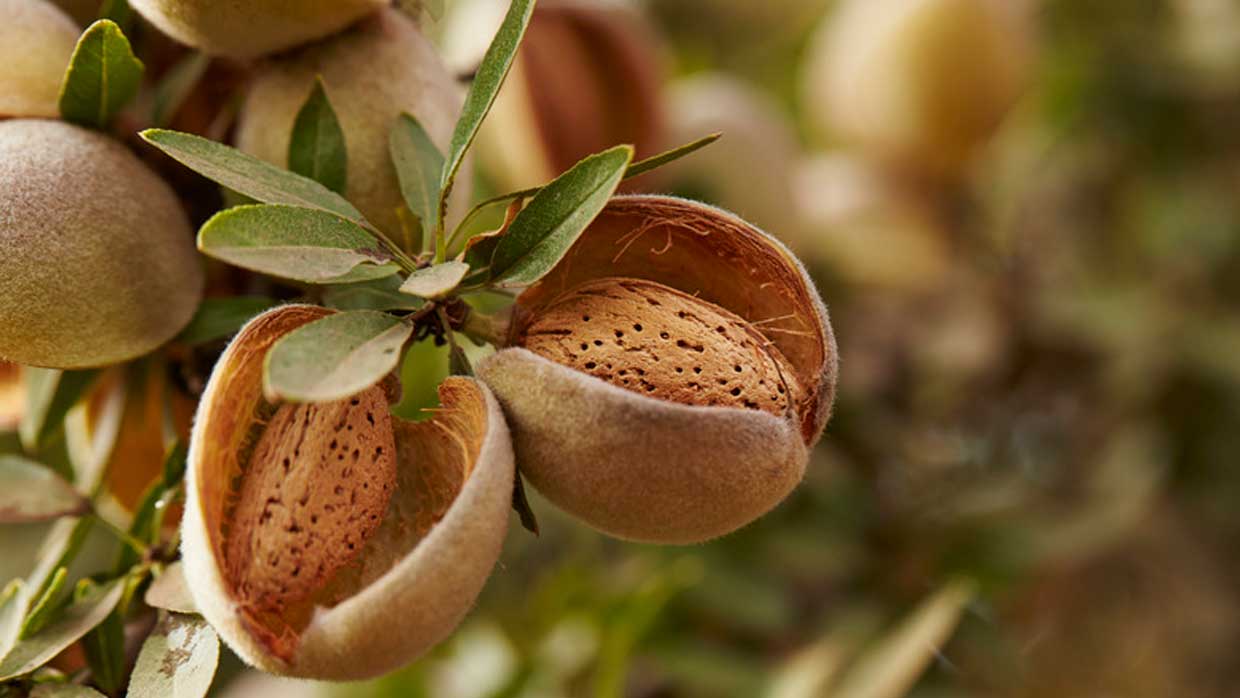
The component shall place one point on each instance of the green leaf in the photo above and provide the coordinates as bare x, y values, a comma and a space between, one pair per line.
418, 167
316, 148
50, 394
170, 592
380, 294
103, 76
650, 164
218, 318
12, 609
487, 82
634, 170
542, 232
175, 463
59, 549
425, 366
178, 659
42, 608
177, 85
302, 244
104, 648
435, 281
248, 175
77, 620
335, 357
31, 492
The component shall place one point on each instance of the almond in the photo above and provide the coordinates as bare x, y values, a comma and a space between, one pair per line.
314, 492
664, 343
665, 380
310, 529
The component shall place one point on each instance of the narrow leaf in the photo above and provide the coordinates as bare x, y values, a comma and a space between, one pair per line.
543, 231
891, 668
219, 318
418, 167
103, 76
636, 169
178, 660
316, 148
650, 164
248, 175
78, 619
50, 394
521, 505
59, 549
12, 608
31, 492
104, 648
42, 608
177, 85
487, 82
335, 357
380, 294
170, 592
435, 281
303, 244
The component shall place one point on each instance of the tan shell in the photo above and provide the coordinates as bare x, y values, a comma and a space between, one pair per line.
372, 73
78, 205
254, 27
409, 580
663, 343
919, 83
648, 469
36, 43
588, 77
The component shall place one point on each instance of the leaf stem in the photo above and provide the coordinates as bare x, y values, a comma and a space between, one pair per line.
123, 536
483, 327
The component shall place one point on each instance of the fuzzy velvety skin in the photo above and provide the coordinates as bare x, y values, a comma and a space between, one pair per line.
99, 263
419, 573
251, 28
647, 469
372, 73
36, 43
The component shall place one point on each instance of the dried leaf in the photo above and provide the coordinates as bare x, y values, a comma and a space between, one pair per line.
178, 659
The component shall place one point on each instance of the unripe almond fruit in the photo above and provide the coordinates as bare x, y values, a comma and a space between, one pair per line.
254, 27
673, 297
36, 42
919, 84
588, 75
99, 263
310, 530
372, 73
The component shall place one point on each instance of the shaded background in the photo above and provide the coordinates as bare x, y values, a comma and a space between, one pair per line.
1040, 357
1024, 219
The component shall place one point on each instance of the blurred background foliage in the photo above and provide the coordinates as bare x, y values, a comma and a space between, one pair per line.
1029, 487
1040, 354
